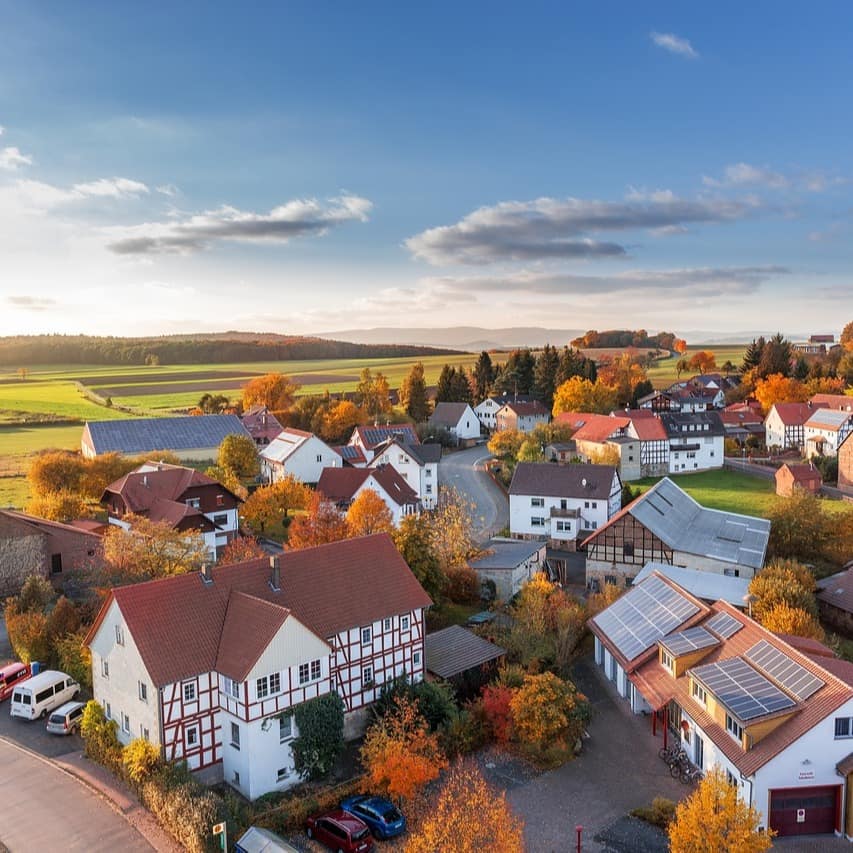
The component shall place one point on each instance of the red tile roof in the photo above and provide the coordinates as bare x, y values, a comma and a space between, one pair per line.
794, 414
534, 407
341, 484
13, 524
177, 623
844, 402
801, 473
649, 429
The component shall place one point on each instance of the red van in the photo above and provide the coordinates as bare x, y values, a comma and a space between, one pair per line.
11, 675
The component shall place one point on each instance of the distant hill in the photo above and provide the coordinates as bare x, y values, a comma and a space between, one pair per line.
469, 338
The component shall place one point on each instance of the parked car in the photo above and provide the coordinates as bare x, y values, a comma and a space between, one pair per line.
10, 675
383, 818
66, 718
40, 694
340, 831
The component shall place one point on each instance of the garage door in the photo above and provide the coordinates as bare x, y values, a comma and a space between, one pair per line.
804, 811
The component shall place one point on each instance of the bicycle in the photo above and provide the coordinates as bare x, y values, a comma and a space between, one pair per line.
692, 774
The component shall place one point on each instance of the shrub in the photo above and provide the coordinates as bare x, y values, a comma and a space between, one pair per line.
63, 619
74, 658
36, 593
27, 632
100, 737
139, 759
320, 723
660, 814
463, 586
434, 699
496, 709
463, 733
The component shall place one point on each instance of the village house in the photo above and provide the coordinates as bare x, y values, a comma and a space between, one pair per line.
791, 477
524, 417
696, 441
459, 419
182, 497
191, 439
48, 549
509, 564
783, 426
367, 438
560, 503
173, 662
486, 410
299, 454
845, 464
777, 720
707, 586
835, 601
261, 424
825, 430
562, 452
743, 421
417, 464
666, 525
839, 402
341, 486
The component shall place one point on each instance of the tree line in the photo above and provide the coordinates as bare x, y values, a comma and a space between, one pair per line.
625, 338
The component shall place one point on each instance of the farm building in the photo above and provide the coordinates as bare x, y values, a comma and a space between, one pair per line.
509, 564
804, 477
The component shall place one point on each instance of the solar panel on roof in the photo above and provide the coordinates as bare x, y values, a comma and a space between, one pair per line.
724, 625
688, 641
642, 616
788, 673
742, 689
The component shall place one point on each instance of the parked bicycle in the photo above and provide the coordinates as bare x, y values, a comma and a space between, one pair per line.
692, 774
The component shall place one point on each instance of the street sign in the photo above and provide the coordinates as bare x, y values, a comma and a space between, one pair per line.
218, 828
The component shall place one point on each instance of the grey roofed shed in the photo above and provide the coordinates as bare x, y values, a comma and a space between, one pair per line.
503, 554
455, 650
685, 525
142, 435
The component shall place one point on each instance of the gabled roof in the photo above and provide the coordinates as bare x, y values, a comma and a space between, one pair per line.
370, 436
14, 524
563, 481
505, 554
792, 414
801, 473
177, 622
648, 428
837, 590
421, 454
594, 427
352, 454
686, 424
143, 435
455, 650
842, 402
340, 485
285, 444
448, 414
828, 419
261, 423
685, 525
528, 409
709, 586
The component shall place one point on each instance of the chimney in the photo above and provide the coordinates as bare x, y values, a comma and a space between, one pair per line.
275, 574
206, 574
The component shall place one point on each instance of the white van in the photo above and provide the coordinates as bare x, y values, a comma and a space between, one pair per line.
42, 693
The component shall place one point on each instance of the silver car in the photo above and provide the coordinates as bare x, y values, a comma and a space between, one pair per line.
66, 718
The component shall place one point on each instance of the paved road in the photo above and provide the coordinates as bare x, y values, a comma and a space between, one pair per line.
463, 470
46, 809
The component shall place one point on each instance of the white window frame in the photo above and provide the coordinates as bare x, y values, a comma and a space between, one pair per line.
119, 635
316, 669
231, 688
262, 689
235, 735
105, 668
125, 723
189, 686
416, 658
367, 675
143, 691
537, 502
734, 728
386, 624
287, 735
275, 683
405, 622
193, 730
367, 635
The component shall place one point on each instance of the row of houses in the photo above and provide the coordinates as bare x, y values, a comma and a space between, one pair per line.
818, 427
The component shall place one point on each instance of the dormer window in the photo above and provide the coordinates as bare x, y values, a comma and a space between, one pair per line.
666, 659
195, 503
699, 693
734, 728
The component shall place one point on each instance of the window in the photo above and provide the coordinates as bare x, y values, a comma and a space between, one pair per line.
195, 503
281, 774
699, 693
404, 623
56, 564
189, 691
627, 549
275, 683
428, 472
366, 635
125, 723
235, 736
262, 688
108, 711
586, 504
319, 457
315, 670
192, 736
731, 573
595, 504
537, 502
236, 775
367, 675
220, 500
119, 635
105, 668
731, 778
143, 733
564, 525
843, 727
304, 673
428, 488
386, 625
285, 729
221, 519
232, 688
143, 691
666, 659
416, 658
537, 521
733, 728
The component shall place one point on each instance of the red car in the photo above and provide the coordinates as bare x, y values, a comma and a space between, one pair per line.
340, 831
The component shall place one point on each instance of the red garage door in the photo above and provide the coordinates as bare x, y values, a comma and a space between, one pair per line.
804, 811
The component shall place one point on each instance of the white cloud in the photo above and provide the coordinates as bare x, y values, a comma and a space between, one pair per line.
109, 188
674, 44
745, 174
296, 218
169, 190
11, 158
548, 228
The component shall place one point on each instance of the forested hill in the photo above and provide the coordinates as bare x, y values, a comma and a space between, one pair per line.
218, 348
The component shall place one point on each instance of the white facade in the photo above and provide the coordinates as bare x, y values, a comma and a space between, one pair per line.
697, 453
302, 455
821, 438
486, 412
398, 511
422, 477
779, 434
468, 425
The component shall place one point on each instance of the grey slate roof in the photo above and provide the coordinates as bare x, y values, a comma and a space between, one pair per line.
454, 650
705, 424
562, 481
447, 414
425, 453
685, 525
142, 435
708, 586
506, 555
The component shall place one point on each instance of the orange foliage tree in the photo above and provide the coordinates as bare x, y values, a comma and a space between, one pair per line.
368, 513
339, 420
467, 816
777, 388
241, 549
496, 700
271, 504
680, 346
703, 361
400, 754
784, 619
322, 523
273, 390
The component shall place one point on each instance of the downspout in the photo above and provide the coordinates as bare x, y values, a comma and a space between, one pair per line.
160, 723
748, 779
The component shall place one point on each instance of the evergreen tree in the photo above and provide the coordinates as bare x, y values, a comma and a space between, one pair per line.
775, 357
460, 389
545, 375
413, 394
444, 389
752, 356
575, 363
483, 375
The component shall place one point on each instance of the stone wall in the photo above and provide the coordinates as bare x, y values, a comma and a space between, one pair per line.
20, 557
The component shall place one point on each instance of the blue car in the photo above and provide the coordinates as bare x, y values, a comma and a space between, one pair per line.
382, 816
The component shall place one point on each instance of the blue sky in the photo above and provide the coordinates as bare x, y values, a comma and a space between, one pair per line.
307, 167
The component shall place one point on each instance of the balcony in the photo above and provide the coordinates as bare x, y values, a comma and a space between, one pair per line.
556, 512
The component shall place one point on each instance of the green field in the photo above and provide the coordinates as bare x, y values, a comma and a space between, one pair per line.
663, 373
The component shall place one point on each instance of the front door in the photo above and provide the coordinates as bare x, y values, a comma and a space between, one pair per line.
699, 752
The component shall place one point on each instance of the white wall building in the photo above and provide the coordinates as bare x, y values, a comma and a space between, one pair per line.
459, 419
696, 441
341, 486
417, 464
298, 453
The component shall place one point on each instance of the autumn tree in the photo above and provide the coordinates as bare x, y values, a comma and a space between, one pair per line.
213, 404
239, 454
61, 506
373, 393
413, 394
703, 361
240, 550
581, 395
56, 471
784, 619
846, 337
467, 815
321, 524
451, 529
399, 754
782, 582
621, 375
413, 539
339, 420
152, 549
272, 504
506, 443
779, 389
368, 513
102, 470
273, 390
679, 345
228, 477
27, 631
799, 527
714, 819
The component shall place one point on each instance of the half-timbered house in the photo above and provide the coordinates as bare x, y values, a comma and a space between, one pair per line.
209, 666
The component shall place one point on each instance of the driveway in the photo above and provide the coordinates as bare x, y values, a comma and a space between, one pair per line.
46, 809
463, 470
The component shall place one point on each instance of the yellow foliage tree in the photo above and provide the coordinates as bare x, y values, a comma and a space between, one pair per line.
368, 513
61, 506
271, 504
777, 388
548, 712
273, 390
505, 444
581, 395
784, 619
714, 819
400, 754
338, 422
468, 816
140, 758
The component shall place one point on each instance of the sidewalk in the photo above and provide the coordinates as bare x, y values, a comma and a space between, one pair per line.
102, 782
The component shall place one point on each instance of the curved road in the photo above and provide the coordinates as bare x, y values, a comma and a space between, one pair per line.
463, 470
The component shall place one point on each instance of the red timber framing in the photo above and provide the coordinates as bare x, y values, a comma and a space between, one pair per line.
627, 542
291, 693
653, 453
181, 717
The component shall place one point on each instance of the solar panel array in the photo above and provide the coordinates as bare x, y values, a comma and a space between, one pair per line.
724, 625
742, 689
637, 620
796, 679
688, 641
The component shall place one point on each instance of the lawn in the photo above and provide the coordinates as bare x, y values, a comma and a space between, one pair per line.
48, 398
663, 373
